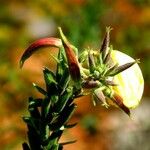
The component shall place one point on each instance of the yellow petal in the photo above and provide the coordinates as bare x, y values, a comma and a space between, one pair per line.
130, 82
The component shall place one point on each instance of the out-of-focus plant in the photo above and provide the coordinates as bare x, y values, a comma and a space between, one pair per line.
101, 73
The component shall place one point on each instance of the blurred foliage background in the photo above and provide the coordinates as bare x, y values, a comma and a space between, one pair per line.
83, 22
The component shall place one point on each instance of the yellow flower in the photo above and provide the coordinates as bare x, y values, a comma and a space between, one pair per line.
130, 82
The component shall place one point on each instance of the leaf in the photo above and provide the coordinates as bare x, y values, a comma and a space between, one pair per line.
54, 147
34, 139
64, 82
53, 138
34, 111
50, 80
35, 102
55, 135
64, 99
64, 116
46, 104
42, 91
62, 67
31, 121
53, 42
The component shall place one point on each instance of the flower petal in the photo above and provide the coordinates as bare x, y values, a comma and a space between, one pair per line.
54, 42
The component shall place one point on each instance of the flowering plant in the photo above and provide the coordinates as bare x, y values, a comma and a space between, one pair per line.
112, 77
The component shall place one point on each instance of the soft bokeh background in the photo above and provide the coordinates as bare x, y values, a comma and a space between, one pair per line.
84, 22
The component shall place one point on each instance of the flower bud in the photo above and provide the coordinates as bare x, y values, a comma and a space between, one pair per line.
72, 59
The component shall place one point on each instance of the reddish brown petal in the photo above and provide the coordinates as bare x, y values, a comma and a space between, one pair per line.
72, 62
54, 42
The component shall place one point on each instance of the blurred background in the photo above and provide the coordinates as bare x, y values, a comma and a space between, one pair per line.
83, 22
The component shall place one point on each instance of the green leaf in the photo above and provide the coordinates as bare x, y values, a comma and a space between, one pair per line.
39, 89
68, 94
44, 132
64, 116
54, 147
33, 122
53, 42
35, 102
64, 81
34, 112
55, 135
34, 139
50, 80
46, 104
53, 139
62, 65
